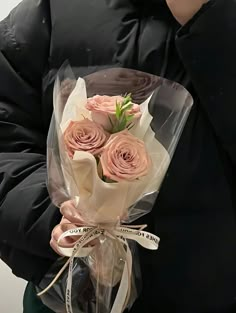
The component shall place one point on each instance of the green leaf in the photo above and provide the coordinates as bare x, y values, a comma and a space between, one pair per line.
118, 110
129, 117
121, 117
123, 124
127, 106
110, 120
127, 98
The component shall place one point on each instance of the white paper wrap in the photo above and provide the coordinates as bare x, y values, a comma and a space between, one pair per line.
98, 201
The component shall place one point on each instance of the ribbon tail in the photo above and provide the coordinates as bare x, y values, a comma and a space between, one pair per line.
85, 239
77, 247
69, 308
55, 279
124, 291
129, 260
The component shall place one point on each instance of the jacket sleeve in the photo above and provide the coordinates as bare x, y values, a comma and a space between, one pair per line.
207, 47
27, 216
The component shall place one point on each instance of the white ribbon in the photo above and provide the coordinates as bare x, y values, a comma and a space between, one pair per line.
89, 234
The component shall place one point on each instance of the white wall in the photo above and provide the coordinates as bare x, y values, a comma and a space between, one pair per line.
11, 291
5, 8
11, 288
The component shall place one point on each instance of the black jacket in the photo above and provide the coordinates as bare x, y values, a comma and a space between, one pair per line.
194, 271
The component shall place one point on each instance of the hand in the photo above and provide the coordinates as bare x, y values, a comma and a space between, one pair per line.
71, 219
184, 10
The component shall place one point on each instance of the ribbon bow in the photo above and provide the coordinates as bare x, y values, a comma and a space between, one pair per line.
89, 234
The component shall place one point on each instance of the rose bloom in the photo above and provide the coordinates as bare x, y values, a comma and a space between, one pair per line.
86, 136
102, 107
125, 158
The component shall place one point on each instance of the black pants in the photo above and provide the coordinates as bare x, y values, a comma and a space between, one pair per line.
32, 303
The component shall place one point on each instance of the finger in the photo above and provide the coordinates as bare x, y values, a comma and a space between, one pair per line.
59, 230
69, 211
65, 221
54, 246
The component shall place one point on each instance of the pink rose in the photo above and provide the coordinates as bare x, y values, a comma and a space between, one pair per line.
103, 107
125, 158
85, 136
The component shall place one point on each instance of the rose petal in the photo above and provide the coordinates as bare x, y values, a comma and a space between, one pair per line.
85, 136
124, 158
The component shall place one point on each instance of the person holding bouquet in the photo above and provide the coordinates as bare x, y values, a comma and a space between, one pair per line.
190, 42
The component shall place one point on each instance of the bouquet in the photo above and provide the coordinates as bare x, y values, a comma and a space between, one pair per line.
111, 140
